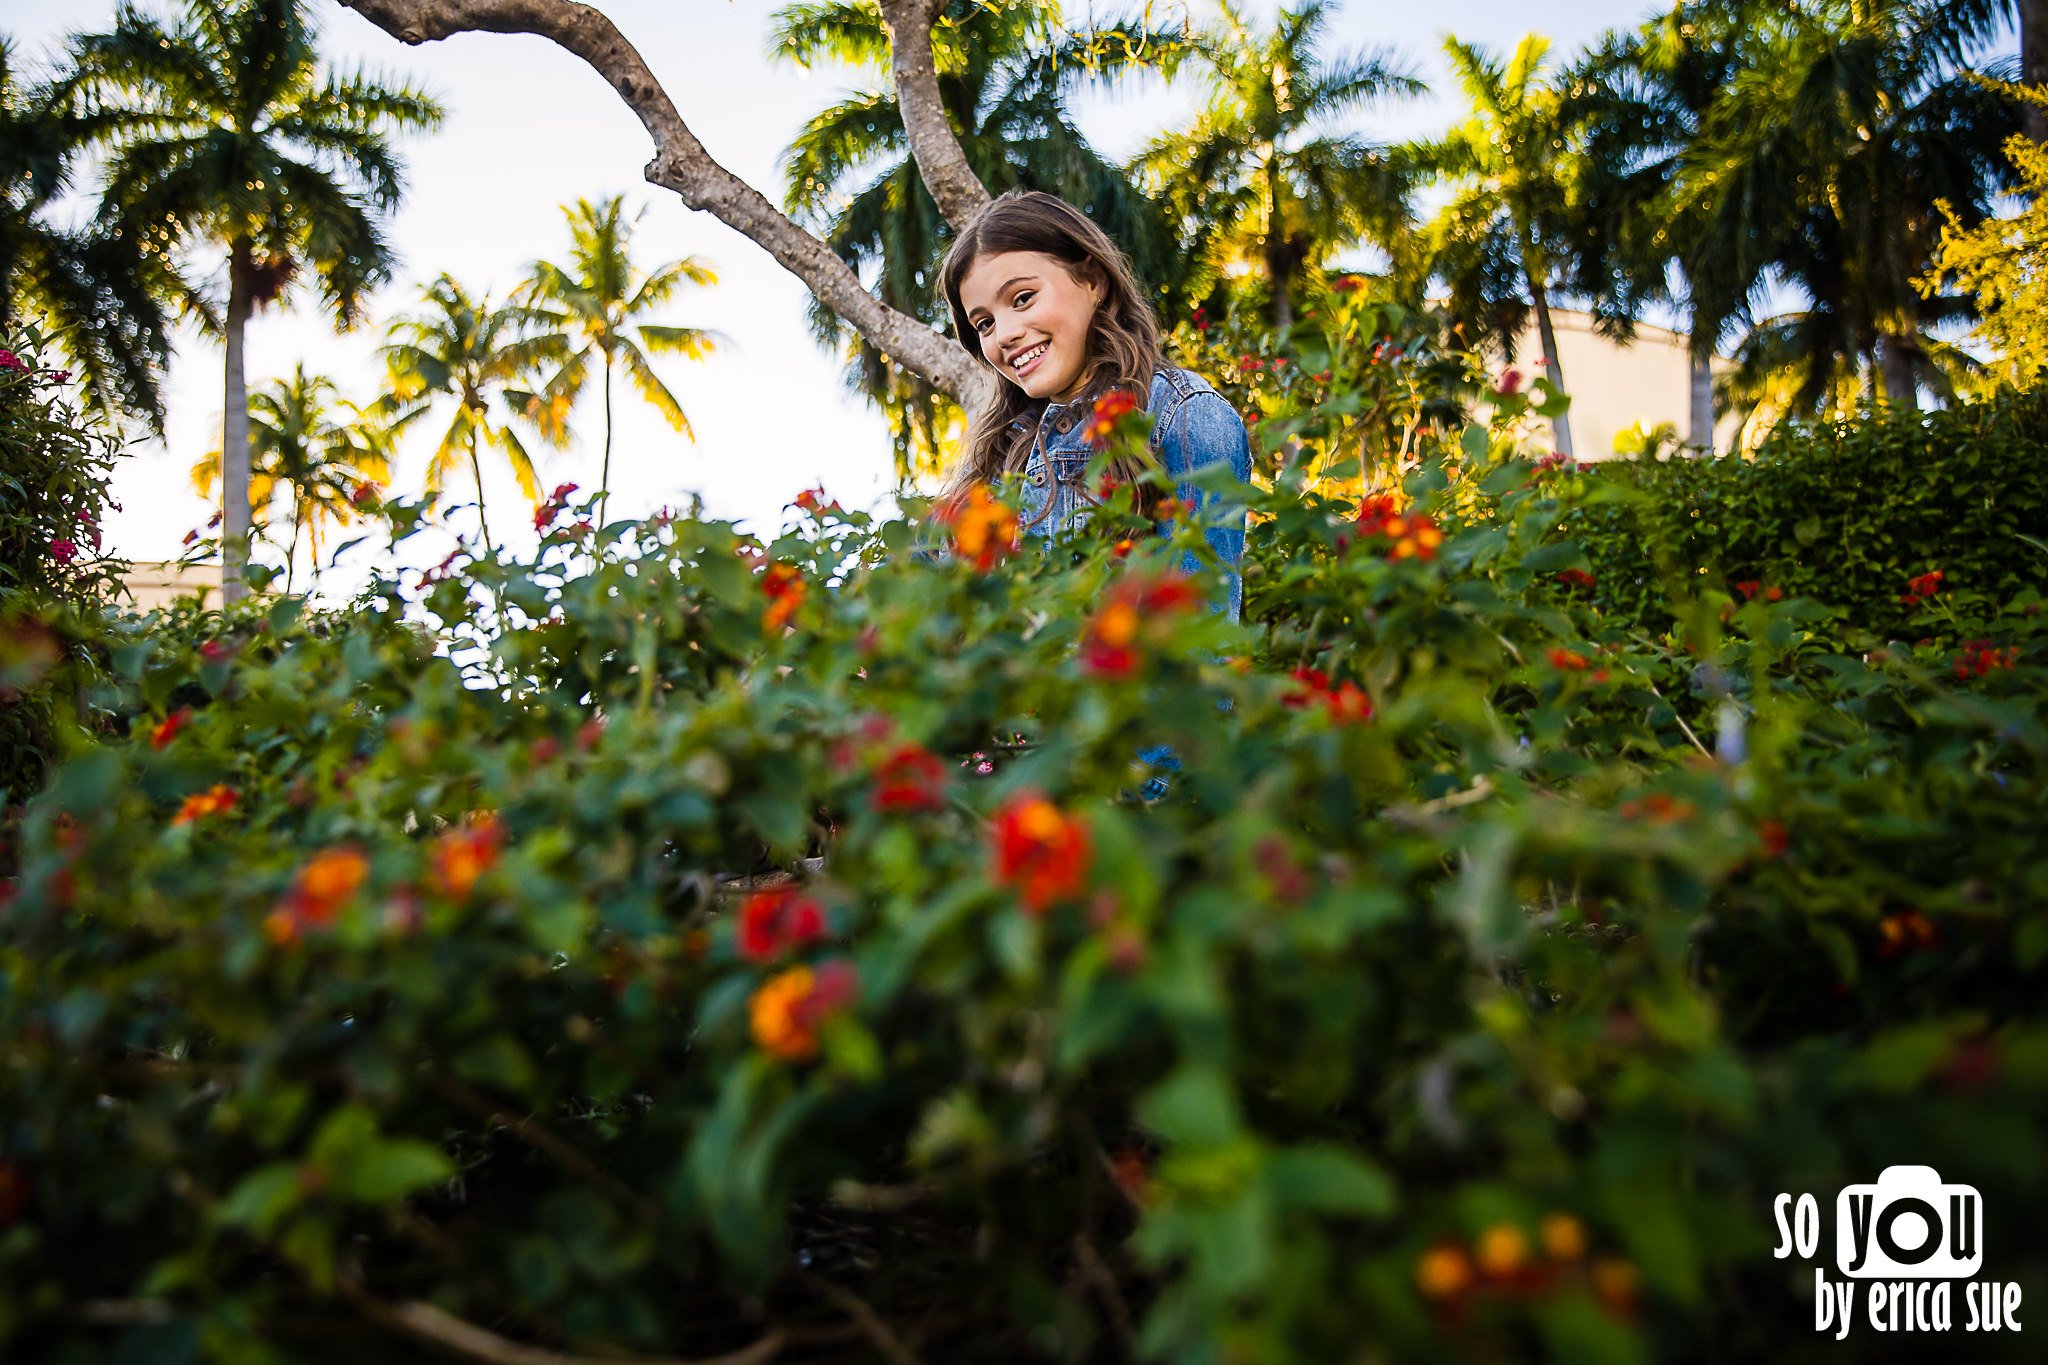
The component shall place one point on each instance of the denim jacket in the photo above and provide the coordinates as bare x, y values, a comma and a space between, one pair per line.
1194, 427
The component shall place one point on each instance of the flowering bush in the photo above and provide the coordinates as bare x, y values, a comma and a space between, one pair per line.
54, 467
597, 973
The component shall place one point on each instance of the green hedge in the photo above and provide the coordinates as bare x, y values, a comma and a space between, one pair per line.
1844, 513
55, 464
375, 993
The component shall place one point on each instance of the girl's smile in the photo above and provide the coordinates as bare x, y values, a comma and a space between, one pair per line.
1033, 318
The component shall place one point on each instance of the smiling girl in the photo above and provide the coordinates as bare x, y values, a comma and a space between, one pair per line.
1045, 299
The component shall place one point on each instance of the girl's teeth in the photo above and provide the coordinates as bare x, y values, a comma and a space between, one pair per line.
1021, 361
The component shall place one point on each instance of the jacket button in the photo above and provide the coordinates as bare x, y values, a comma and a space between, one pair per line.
1061, 423
1038, 478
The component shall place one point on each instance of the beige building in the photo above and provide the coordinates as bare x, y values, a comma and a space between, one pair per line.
1615, 387
157, 585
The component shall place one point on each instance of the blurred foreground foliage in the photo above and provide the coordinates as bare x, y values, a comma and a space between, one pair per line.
686, 944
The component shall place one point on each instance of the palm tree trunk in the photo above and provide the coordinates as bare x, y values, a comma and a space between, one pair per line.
1901, 374
1560, 425
604, 478
1702, 401
234, 435
2034, 64
476, 467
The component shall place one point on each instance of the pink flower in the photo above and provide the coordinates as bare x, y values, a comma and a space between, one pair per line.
10, 361
1510, 383
62, 550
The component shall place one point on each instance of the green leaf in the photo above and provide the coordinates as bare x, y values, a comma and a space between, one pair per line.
1329, 1180
1195, 1105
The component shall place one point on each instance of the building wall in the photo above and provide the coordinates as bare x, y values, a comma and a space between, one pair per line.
157, 585
1615, 386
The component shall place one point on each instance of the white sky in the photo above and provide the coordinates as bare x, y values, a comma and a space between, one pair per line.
530, 128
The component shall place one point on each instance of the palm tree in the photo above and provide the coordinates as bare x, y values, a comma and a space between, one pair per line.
301, 450
224, 130
1261, 177
1005, 73
1820, 169
1634, 104
101, 295
594, 304
1508, 226
483, 357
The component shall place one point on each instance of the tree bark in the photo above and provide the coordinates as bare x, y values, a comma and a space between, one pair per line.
234, 432
1897, 357
954, 186
476, 467
604, 478
1702, 416
2034, 64
681, 163
1553, 368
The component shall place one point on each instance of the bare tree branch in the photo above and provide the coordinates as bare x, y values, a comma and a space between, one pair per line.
683, 165
954, 186
426, 1323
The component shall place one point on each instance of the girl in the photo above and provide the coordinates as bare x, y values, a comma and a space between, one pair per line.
1045, 299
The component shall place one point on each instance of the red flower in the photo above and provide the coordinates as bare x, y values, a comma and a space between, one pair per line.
1659, 808
1575, 578
1201, 319
328, 881
1774, 836
1250, 364
784, 1015
910, 778
1980, 657
1137, 608
1570, 660
811, 499
1415, 536
1346, 284
10, 361
1922, 586
778, 920
213, 651
167, 729
63, 551
1375, 512
1110, 409
1510, 383
1040, 852
1749, 588
365, 494
1346, 703
785, 588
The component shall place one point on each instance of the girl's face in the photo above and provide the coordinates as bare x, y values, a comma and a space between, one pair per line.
1033, 319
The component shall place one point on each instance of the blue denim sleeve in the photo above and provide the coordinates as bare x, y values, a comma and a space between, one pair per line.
1204, 433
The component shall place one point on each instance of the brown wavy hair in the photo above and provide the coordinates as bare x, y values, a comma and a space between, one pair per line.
1123, 339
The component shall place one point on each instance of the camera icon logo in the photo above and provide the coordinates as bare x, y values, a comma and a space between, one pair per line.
1909, 1226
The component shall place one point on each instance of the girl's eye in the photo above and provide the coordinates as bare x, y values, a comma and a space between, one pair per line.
1023, 299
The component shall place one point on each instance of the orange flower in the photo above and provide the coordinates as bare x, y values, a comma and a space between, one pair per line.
1569, 660
1563, 1237
168, 729
459, 857
984, 529
325, 884
1659, 808
1908, 930
1502, 1250
785, 589
1416, 536
1110, 409
813, 499
786, 1011
215, 800
1615, 1281
1137, 608
1132, 1172
1922, 586
1039, 852
1443, 1272
1575, 578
